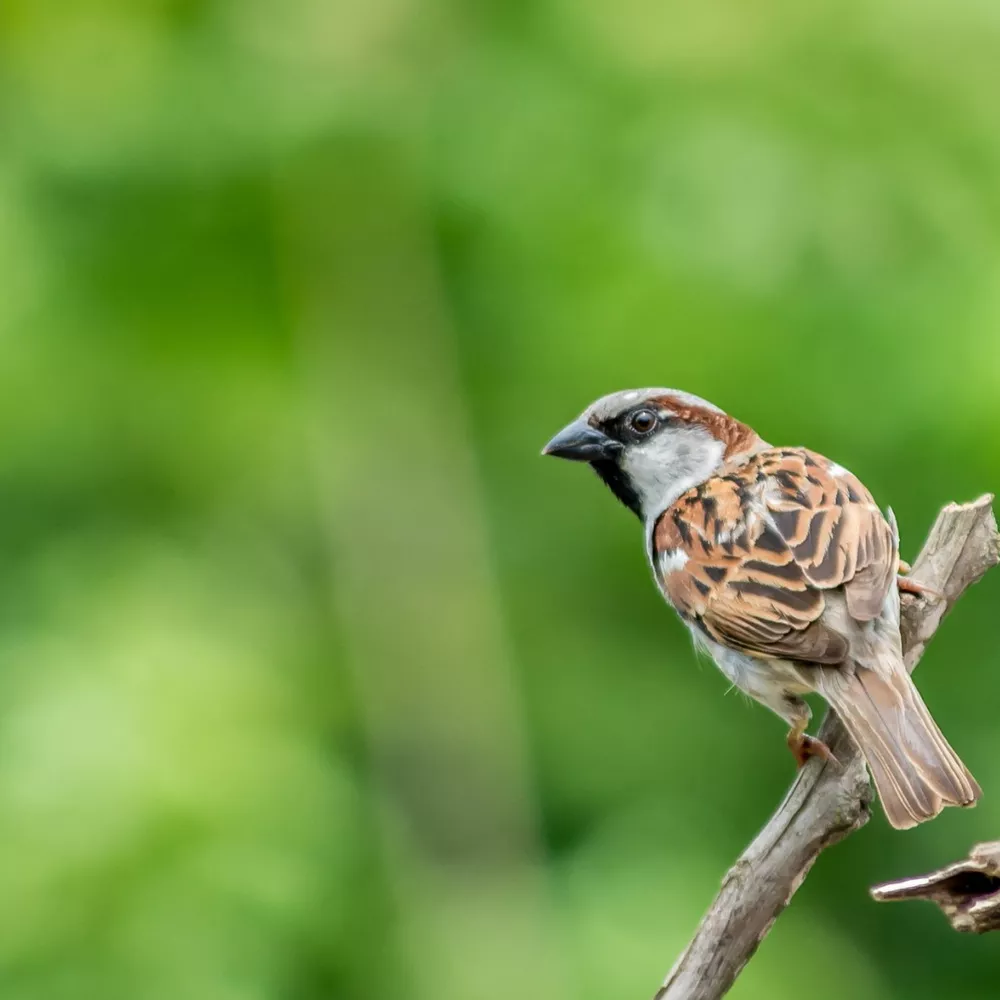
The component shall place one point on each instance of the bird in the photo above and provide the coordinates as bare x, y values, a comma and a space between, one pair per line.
785, 571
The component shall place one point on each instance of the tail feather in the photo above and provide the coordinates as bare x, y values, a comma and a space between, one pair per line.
916, 772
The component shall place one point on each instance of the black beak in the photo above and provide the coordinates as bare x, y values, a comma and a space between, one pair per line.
580, 442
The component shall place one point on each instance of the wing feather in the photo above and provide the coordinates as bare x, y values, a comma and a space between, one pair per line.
748, 555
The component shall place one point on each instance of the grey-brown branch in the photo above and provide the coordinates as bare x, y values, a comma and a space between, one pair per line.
826, 802
968, 891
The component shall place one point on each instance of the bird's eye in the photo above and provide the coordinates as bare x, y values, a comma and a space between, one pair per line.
642, 421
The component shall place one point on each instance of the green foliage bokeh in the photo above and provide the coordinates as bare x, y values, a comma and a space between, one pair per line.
315, 680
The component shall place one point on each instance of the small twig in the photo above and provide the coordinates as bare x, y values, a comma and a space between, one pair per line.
825, 803
968, 891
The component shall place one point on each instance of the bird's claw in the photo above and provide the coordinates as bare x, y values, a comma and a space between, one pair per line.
907, 585
804, 746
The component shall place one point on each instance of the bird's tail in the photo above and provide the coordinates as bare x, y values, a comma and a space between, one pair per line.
915, 770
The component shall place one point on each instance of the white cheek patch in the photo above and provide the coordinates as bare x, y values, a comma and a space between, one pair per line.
672, 560
673, 461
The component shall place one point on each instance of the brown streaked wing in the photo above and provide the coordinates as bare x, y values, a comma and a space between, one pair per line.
765, 638
740, 580
694, 526
760, 588
837, 535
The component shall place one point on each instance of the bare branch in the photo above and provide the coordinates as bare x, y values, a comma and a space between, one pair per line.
825, 803
968, 891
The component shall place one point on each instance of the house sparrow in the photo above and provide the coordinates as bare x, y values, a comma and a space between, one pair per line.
784, 570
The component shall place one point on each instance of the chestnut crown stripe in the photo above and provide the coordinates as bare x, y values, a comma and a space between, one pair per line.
737, 437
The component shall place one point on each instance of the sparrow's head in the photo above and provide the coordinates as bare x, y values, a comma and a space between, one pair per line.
650, 445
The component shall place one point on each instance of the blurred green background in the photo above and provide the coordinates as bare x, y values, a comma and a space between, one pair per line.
316, 681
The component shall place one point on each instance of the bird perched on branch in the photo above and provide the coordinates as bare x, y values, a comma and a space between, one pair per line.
785, 571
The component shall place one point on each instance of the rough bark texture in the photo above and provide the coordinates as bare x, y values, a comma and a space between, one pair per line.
968, 891
825, 802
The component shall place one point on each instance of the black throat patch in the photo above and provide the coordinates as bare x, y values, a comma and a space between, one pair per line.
619, 484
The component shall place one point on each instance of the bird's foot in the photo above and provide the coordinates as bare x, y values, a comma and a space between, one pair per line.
804, 746
909, 586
